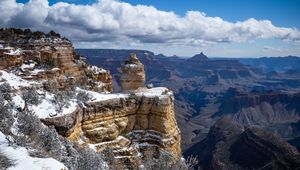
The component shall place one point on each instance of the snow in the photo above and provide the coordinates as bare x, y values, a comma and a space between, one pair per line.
47, 108
133, 65
94, 146
96, 69
55, 69
18, 101
22, 159
14, 52
13, 80
96, 96
27, 66
30, 67
36, 71
153, 92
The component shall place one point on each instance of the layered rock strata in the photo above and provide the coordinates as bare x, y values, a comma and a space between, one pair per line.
128, 124
52, 58
133, 74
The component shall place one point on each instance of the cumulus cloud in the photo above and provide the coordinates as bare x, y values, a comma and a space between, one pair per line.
115, 21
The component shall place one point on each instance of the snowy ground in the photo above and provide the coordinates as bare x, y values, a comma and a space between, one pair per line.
22, 160
46, 108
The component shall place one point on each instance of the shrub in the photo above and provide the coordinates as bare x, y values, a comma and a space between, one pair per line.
83, 97
50, 85
30, 96
110, 159
61, 100
5, 162
28, 123
90, 160
48, 143
5, 90
6, 116
164, 161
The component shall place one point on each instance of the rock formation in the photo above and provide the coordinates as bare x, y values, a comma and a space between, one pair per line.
228, 146
133, 74
128, 123
49, 57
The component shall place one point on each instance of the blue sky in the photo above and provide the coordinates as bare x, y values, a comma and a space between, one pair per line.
226, 29
280, 12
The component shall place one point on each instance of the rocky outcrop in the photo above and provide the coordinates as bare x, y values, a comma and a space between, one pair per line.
128, 124
228, 146
39, 56
132, 74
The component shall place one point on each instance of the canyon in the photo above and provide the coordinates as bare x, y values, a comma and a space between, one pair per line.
208, 89
133, 109
140, 119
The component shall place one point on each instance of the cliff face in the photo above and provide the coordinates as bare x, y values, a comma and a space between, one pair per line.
50, 58
127, 123
131, 123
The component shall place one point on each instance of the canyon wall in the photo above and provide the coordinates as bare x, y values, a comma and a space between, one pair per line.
130, 123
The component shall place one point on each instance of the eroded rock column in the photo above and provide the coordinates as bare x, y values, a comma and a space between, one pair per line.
132, 74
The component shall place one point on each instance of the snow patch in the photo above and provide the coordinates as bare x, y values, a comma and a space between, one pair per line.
25, 67
153, 92
96, 69
48, 109
133, 65
13, 80
18, 102
14, 52
96, 96
22, 159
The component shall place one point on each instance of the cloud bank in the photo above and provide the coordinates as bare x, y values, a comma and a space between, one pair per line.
116, 21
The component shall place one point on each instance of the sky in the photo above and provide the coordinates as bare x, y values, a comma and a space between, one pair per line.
219, 28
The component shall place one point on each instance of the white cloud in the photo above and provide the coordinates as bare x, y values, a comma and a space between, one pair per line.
115, 21
272, 49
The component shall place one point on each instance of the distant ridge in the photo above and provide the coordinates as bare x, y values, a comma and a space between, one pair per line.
198, 57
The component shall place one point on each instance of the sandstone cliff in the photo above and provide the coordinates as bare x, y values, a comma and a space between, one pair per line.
129, 123
133, 74
48, 57
76, 99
